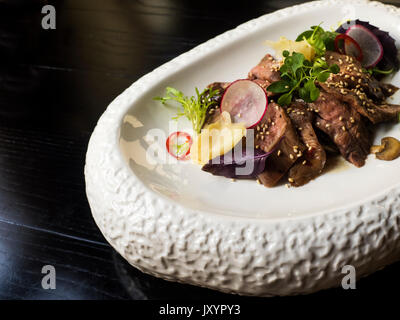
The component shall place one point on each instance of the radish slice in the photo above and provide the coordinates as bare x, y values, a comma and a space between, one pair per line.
178, 145
349, 46
245, 101
370, 45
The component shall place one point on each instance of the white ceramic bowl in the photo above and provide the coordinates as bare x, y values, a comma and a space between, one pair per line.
179, 223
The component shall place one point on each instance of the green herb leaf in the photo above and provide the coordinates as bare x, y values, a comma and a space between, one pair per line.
314, 93
323, 76
297, 61
304, 35
311, 88
279, 86
334, 68
329, 40
285, 99
319, 39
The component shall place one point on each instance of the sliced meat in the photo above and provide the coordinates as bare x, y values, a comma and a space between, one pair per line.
351, 76
344, 126
267, 69
221, 86
329, 146
280, 135
358, 100
271, 128
388, 89
213, 111
266, 72
310, 165
264, 84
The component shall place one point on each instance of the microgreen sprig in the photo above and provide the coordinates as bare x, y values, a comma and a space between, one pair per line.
376, 71
194, 108
298, 75
320, 39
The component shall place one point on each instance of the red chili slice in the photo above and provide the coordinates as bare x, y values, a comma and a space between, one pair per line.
347, 40
178, 145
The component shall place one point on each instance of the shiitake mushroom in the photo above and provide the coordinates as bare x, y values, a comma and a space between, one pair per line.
388, 150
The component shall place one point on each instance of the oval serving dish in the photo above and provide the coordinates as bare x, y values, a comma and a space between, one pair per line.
179, 223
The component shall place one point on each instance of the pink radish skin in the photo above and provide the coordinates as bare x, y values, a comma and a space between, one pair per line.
370, 45
245, 101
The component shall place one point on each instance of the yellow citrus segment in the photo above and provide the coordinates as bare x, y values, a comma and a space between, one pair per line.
292, 46
216, 139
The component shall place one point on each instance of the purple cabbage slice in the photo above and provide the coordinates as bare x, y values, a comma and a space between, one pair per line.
390, 59
229, 166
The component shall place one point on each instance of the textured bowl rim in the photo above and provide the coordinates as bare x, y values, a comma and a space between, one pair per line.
240, 255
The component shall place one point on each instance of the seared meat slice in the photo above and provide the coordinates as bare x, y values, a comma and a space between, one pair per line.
267, 69
310, 165
388, 89
351, 76
358, 100
266, 72
279, 134
264, 84
213, 111
344, 126
221, 86
271, 128
329, 146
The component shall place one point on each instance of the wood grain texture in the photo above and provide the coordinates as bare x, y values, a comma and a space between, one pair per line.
54, 85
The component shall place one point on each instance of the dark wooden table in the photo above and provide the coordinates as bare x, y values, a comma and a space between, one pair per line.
54, 85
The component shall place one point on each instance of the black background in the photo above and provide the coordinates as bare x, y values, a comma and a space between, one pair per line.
54, 85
